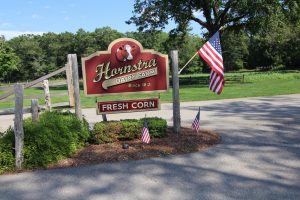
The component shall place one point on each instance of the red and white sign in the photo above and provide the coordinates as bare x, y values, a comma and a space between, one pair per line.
127, 106
125, 68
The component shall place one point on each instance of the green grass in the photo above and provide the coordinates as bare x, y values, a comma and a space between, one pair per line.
256, 84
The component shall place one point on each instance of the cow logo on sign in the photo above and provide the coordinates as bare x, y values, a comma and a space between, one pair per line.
125, 52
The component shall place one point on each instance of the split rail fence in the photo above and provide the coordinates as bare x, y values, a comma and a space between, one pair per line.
16, 93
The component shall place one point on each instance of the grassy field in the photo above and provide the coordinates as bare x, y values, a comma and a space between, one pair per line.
256, 84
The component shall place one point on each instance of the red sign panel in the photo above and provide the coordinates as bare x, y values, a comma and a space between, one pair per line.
125, 68
127, 106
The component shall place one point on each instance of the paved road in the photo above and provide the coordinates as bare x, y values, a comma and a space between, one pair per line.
259, 158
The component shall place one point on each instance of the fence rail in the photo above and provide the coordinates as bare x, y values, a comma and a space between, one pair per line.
71, 70
204, 80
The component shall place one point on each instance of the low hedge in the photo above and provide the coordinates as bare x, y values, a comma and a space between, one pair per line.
56, 135
129, 129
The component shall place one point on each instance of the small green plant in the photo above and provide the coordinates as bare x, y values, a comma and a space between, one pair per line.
129, 129
7, 158
157, 127
105, 132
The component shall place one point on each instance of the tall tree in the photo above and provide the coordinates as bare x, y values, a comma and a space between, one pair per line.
9, 61
209, 14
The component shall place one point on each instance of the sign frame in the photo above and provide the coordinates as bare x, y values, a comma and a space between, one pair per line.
109, 51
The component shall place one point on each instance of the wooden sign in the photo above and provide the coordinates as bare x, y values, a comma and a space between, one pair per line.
125, 68
137, 105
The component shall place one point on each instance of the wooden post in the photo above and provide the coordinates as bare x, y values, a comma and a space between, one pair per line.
72, 60
18, 125
47, 95
70, 84
176, 100
35, 110
104, 117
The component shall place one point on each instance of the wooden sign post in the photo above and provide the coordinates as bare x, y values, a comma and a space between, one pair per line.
176, 100
72, 59
18, 125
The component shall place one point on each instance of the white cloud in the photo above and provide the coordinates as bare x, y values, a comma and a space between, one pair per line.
11, 34
46, 7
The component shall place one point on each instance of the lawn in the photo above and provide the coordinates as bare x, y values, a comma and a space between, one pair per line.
256, 84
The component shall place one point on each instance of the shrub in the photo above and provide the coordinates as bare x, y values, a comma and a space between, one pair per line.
56, 135
157, 127
7, 158
106, 132
129, 129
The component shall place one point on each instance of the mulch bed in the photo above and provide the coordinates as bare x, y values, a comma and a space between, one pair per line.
188, 141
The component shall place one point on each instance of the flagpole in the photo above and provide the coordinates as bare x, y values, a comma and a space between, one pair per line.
188, 62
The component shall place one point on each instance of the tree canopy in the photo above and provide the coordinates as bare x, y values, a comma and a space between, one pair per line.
209, 14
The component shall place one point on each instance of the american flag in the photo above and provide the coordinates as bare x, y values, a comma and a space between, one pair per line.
196, 122
211, 52
145, 133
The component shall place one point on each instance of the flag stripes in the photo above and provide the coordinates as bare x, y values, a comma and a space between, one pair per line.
145, 133
212, 54
196, 122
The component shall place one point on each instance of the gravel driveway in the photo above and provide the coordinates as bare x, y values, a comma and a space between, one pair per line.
259, 158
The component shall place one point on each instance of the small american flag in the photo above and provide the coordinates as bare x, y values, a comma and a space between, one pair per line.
196, 122
145, 133
211, 52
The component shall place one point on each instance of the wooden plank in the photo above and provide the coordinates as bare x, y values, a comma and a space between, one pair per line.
176, 100
57, 105
70, 84
18, 125
47, 95
45, 77
35, 82
11, 111
72, 59
35, 110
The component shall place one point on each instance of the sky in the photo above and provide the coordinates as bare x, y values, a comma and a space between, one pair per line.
39, 16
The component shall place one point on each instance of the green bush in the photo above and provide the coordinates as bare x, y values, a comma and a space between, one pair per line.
129, 129
157, 127
105, 132
7, 158
56, 135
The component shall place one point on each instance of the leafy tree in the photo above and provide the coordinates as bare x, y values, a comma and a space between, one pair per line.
9, 62
235, 50
275, 41
150, 39
209, 14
